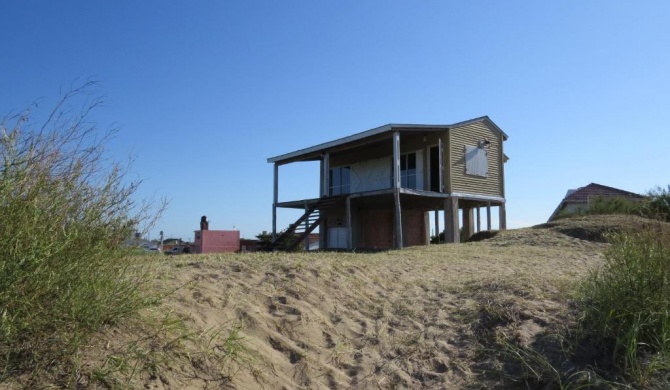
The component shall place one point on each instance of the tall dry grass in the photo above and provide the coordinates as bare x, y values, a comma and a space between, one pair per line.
65, 211
626, 303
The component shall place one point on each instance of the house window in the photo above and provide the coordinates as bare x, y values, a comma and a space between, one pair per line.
408, 170
476, 161
340, 180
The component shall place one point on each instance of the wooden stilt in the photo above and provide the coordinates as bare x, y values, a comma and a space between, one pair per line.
275, 200
437, 226
396, 185
468, 222
502, 217
488, 215
451, 223
349, 232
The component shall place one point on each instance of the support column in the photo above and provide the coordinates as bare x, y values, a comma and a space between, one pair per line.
325, 189
350, 245
325, 174
426, 224
437, 226
479, 219
502, 217
275, 200
488, 215
306, 228
451, 220
396, 193
468, 222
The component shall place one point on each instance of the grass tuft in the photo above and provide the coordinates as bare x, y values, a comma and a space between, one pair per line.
626, 303
65, 211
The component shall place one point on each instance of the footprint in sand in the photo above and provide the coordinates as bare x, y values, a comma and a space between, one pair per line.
293, 356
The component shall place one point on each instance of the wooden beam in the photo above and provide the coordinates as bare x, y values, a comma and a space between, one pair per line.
275, 200
396, 160
502, 217
437, 226
451, 223
349, 232
426, 224
325, 191
446, 164
440, 158
468, 222
396, 193
325, 174
306, 227
488, 215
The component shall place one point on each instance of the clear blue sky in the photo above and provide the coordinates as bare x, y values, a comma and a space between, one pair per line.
205, 92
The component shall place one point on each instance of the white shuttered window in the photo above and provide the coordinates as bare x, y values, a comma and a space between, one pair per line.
476, 161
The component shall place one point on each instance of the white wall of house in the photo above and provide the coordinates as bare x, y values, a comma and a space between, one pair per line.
370, 175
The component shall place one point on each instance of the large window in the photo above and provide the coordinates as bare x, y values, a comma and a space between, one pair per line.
340, 180
408, 170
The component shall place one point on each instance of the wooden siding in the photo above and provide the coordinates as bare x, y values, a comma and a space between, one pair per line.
470, 135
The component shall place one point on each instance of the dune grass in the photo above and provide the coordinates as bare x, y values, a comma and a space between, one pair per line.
626, 304
65, 211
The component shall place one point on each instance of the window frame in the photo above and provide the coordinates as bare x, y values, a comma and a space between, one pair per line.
340, 180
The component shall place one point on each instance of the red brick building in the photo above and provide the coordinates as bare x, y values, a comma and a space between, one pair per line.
216, 241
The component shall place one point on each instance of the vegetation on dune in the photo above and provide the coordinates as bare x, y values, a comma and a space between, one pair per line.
65, 211
626, 304
656, 205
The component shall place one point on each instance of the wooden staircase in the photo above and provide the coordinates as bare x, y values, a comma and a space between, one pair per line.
298, 231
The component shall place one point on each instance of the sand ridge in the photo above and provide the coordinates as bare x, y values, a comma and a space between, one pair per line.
397, 319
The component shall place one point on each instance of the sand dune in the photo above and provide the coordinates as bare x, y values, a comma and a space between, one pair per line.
415, 318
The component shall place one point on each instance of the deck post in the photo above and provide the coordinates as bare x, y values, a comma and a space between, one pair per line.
349, 233
440, 159
479, 219
468, 222
502, 218
451, 220
325, 189
488, 215
437, 226
325, 174
306, 227
275, 199
396, 186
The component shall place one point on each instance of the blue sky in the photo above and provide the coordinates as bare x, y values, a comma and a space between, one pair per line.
204, 92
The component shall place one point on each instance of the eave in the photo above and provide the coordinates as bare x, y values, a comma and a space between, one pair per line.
313, 153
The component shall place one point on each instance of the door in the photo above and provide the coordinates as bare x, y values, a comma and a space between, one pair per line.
337, 238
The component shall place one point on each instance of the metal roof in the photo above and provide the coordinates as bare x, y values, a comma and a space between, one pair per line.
378, 130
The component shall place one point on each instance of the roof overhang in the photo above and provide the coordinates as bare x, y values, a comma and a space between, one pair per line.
314, 152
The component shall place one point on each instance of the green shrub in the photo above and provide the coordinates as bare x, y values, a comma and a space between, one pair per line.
65, 210
627, 302
607, 206
602, 205
657, 204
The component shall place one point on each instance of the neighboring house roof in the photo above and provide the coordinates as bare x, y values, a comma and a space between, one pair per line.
582, 195
317, 149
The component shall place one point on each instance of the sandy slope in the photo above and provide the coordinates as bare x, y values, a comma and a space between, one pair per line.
399, 319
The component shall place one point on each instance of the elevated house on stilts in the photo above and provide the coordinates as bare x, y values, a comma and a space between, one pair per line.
378, 187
